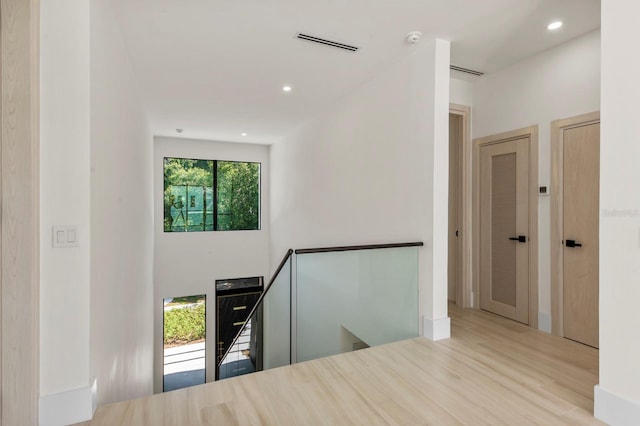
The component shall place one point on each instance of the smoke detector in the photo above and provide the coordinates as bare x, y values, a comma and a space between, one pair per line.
413, 37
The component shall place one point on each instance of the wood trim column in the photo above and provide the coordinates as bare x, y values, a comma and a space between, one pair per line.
19, 153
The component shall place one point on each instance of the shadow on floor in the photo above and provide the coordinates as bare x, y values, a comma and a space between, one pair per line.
183, 379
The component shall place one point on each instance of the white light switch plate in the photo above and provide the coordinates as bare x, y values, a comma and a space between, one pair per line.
65, 236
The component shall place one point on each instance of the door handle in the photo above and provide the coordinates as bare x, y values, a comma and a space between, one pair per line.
572, 243
519, 238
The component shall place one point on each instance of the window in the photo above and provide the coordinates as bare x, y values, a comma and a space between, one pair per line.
184, 330
238, 195
210, 195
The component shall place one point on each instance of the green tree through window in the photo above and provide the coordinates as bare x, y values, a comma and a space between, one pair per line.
238, 195
192, 202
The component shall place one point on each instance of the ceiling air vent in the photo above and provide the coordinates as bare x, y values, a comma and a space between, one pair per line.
465, 70
327, 42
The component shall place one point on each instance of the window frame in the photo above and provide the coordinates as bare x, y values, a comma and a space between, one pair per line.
214, 195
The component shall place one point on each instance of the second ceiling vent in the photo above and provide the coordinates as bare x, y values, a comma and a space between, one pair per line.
466, 70
326, 42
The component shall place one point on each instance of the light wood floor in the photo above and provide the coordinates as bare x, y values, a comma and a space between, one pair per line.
492, 371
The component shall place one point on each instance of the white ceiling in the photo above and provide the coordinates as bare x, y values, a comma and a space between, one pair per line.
216, 68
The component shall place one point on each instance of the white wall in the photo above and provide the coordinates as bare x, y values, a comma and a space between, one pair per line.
560, 83
188, 264
121, 219
617, 399
373, 168
64, 198
460, 91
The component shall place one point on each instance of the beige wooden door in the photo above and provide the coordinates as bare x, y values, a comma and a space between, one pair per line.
455, 206
504, 229
581, 180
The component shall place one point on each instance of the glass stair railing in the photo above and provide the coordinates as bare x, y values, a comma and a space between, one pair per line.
350, 299
339, 300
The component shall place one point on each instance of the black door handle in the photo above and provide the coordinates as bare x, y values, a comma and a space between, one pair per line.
519, 238
572, 243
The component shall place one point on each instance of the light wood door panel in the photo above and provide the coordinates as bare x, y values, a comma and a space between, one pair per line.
504, 215
581, 157
503, 226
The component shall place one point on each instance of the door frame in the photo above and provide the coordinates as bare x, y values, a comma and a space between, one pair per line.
19, 178
530, 132
464, 291
557, 229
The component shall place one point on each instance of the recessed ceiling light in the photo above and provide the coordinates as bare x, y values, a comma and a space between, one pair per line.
554, 25
243, 134
287, 88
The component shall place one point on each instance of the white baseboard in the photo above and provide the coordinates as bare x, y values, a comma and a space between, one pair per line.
615, 410
437, 329
64, 408
544, 322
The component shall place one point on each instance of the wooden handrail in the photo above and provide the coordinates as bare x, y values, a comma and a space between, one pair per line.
362, 247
